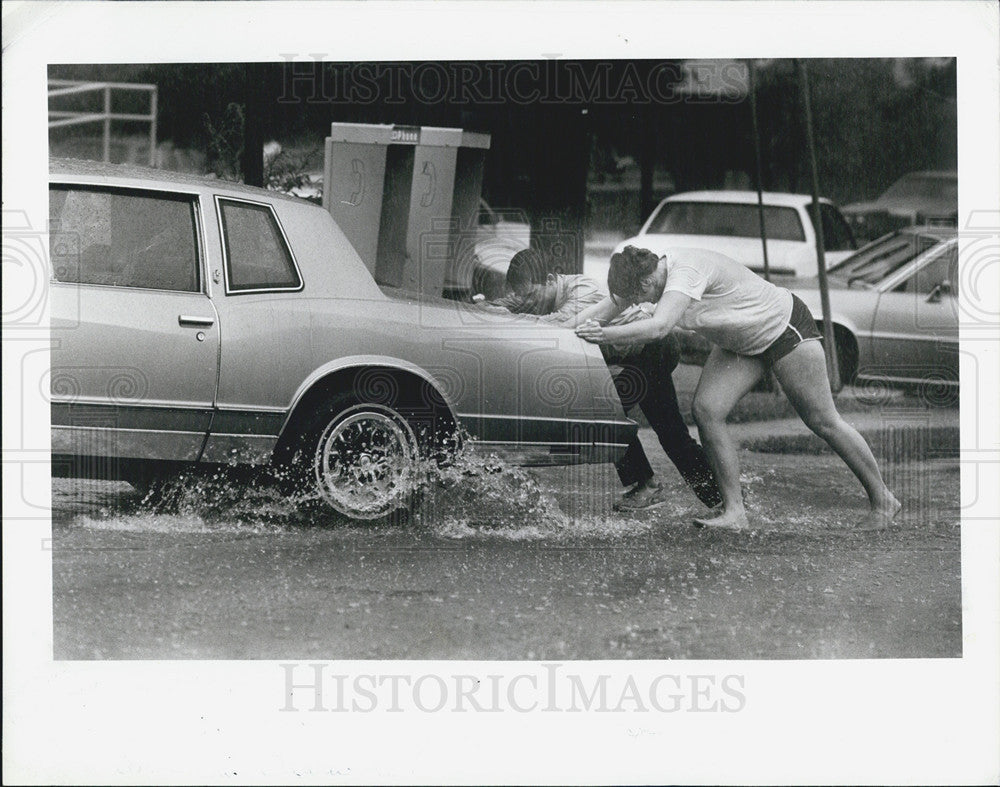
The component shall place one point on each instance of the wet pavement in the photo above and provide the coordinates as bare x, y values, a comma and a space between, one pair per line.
514, 565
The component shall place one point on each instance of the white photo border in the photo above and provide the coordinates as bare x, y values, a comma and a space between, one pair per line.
894, 721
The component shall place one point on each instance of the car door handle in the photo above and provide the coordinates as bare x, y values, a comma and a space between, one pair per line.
198, 322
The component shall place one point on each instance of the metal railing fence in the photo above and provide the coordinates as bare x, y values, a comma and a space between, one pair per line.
65, 87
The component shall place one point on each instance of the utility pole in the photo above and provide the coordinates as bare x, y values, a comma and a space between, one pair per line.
752, 88
252, 159
832, 368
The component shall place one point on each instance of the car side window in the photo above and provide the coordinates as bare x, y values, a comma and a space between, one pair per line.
119, 238
836, 233
257, 256
932, 273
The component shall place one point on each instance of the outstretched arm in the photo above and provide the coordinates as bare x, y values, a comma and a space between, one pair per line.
503, 303
668, 311
605, 309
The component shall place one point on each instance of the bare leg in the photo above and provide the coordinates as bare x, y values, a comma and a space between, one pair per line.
802, 374
725, 379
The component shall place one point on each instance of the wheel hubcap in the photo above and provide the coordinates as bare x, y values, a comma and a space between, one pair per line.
365, 462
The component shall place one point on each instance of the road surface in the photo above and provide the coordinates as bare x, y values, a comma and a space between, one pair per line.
513, 565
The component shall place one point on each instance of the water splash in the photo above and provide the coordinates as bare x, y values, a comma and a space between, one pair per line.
189, 502
480, 496
472, 496
484, 489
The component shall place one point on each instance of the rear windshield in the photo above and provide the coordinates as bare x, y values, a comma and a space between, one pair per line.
728, 219
882, 257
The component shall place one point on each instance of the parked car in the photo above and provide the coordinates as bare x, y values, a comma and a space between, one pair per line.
197, 322
729, 222
894, 307
917, 198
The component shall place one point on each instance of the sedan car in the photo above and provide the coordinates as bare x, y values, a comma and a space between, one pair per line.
729, 222
917, 198
197, 322
894, 307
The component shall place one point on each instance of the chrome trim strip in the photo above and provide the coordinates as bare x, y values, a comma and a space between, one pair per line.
126, 429
897, 277
244, 436
252, 408
528, 456
911, 380
88, 180
913, 337
238, 409
137, 403
129, 288
582, 421
487, 443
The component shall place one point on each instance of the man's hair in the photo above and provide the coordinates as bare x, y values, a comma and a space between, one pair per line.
628, 268
526, 267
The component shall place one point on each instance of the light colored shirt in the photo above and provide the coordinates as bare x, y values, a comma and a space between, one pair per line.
571, 295
732, 306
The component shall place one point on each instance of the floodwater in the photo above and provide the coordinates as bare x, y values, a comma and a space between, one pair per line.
498, 562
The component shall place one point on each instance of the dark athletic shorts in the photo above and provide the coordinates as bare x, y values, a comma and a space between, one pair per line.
801, 328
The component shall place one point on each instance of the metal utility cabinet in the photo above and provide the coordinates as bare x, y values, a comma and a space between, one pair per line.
403, 195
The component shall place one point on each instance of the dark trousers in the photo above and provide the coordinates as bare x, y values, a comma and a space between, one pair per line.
645, 380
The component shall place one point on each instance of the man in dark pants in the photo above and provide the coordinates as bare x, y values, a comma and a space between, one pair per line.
644, 379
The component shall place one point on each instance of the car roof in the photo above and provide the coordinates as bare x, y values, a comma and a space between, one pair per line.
772, 197
941, 233
134, 175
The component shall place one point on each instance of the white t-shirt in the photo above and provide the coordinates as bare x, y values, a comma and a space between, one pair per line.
732, 306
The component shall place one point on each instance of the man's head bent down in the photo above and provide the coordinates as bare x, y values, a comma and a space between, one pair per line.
629, 274
528, 274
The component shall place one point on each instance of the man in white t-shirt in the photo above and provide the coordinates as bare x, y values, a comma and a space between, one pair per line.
644, 379
755, 327
730, 305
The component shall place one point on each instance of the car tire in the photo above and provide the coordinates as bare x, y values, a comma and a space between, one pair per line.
847, 355
154, 482
359, 459
847, 352
159, 487
141, 478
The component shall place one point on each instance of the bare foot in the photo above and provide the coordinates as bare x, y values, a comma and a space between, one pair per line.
880, 516
725, 521
719, 507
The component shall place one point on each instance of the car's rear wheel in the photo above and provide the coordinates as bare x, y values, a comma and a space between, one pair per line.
847, 354
360, 459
